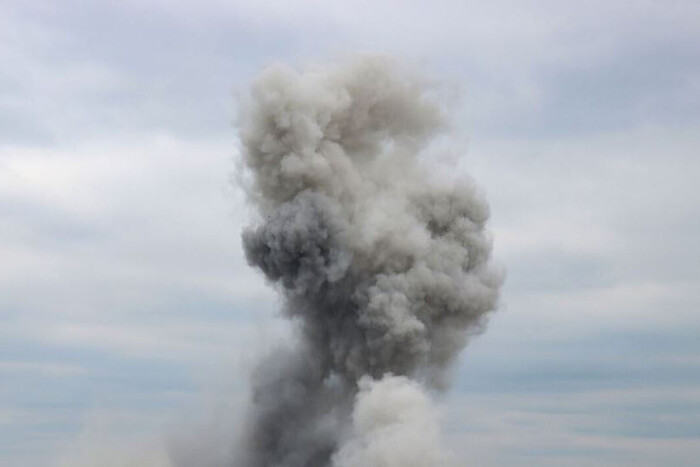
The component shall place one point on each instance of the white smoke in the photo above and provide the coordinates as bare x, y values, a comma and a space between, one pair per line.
383, 265
394, 425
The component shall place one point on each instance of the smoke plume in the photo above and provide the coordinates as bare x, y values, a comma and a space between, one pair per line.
383, 265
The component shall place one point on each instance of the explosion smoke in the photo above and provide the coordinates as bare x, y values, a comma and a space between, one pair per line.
383, 264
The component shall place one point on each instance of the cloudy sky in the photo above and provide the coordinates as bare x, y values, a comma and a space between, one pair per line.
129, 320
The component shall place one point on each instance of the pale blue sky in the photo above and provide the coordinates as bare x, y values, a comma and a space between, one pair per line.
129, 320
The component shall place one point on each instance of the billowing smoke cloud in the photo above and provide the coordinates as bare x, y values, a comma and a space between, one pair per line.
383, 265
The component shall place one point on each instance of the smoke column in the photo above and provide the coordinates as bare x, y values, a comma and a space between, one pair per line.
382, 264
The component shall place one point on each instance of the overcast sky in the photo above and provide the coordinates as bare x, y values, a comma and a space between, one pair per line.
129, 319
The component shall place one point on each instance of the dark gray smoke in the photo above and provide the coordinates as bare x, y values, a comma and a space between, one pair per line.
383, 265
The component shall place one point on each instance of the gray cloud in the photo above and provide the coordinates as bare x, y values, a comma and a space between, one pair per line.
385, 267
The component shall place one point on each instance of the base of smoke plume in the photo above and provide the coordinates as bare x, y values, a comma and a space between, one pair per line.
394, 424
